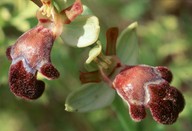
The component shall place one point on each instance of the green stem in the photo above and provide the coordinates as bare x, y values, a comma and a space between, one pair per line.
123, 115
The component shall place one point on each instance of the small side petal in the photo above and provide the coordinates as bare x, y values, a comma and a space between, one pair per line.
137, 112
49, 71
165, 73
8, 53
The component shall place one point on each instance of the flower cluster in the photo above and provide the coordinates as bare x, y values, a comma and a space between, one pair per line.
140, 86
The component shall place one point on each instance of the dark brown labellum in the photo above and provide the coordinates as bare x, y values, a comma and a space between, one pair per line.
143, 87
30, 54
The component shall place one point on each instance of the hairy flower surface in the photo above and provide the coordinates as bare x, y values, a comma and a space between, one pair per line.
143, 87
31, 53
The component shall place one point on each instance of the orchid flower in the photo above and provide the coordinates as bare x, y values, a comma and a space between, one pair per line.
140, 86
31, 52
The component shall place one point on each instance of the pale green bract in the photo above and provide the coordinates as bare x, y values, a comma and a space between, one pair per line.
62, 4
94, 52
90, 97
127, 45
82, 32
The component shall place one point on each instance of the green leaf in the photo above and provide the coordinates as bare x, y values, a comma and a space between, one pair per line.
82, 32
127, 45
90, 97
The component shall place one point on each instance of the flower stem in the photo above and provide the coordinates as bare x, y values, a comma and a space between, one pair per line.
123, 115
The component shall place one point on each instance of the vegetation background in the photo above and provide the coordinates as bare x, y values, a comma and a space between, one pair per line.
165, 36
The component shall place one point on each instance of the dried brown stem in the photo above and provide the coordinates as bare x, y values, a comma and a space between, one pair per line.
37, 2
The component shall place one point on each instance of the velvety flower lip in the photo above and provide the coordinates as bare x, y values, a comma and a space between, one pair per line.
145, 86
24, 84
166, 102
31, 53
140, 86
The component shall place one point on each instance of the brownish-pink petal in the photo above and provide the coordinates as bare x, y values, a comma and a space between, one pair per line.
87, 77
34, 46
131, 83
111, 36
165, 73
73, 11
49, 71
8, 53
137, 112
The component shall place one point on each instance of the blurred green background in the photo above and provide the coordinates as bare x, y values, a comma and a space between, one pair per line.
165, 36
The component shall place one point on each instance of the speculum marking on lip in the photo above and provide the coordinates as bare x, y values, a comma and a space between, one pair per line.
30, 54
149, 87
